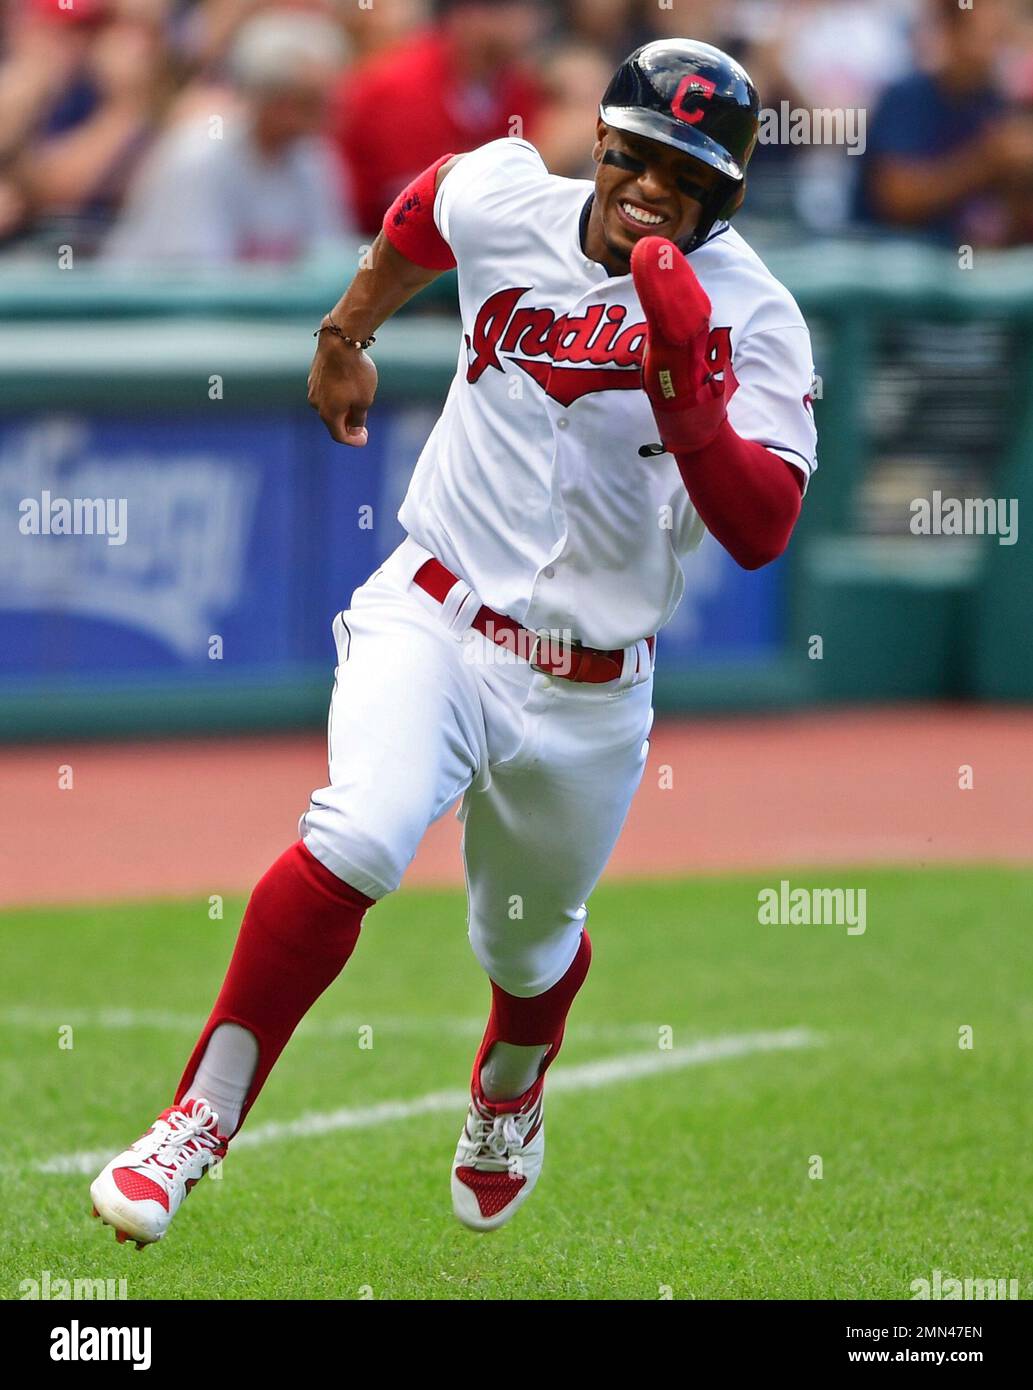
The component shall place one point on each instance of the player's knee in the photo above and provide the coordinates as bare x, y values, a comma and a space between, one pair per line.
525, 959
371, 858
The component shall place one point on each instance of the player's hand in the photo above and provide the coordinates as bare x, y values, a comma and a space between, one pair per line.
689, 402
342, 383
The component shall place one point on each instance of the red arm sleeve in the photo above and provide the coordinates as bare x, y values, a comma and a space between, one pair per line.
409, 222
748, 498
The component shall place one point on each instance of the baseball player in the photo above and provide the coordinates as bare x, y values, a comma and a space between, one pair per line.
630, 376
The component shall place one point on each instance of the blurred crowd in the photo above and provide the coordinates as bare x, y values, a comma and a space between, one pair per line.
205, 132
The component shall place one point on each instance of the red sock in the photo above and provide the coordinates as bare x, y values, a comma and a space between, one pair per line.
532, 1022
300, 927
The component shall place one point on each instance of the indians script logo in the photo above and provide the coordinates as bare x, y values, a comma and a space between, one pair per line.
603, 351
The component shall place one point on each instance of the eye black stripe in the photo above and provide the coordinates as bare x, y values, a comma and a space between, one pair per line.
620, 160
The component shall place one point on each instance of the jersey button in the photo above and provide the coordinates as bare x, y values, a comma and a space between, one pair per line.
563, 423
549, 572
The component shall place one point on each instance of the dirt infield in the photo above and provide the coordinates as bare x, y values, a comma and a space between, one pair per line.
205, 816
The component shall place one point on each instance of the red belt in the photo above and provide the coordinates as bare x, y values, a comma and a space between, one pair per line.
552, 657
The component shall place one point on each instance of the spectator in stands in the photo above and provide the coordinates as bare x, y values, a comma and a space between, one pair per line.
948, 154
255, 181
14, 206
80, 89
712, 21
451, 87
42, 55
380, 23
611, 26
844, 52
823, 55
574, 77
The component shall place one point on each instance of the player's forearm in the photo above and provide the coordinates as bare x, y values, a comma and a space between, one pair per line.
408, 254
66, 169
747, 497
912, 191
385, 282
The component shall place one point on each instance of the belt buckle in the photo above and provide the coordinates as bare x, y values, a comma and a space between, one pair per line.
567, 647
533, 657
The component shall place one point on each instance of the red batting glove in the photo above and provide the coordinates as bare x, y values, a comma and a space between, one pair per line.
689, 402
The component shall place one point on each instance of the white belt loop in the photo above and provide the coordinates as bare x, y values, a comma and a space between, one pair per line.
638, 664
405, 560
629, 668
467, 611
460, 607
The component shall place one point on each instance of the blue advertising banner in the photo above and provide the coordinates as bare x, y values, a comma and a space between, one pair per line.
159, 545
130, 543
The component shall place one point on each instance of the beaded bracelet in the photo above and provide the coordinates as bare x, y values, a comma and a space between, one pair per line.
332, 327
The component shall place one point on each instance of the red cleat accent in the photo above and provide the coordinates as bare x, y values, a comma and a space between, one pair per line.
494, 1191
139, 1188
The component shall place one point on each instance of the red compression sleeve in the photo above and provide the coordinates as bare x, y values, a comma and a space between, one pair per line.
300, 927
409, 222
747, 497
540, 1019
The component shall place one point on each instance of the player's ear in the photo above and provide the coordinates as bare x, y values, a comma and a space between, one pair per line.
601, 129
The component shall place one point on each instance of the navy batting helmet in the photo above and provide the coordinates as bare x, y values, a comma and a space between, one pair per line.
698, 99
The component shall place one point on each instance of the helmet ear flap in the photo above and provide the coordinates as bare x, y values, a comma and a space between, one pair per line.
717, 211
734, 203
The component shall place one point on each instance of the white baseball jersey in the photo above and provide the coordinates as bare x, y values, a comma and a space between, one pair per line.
531, 486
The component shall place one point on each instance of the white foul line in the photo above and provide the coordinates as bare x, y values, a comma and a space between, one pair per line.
32, 1018
587, 1076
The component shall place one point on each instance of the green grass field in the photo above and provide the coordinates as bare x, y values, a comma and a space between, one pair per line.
695, 1181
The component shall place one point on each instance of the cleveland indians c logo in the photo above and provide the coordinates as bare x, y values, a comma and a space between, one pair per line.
700, 87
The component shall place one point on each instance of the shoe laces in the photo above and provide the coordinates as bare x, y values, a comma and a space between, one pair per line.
185, 1139
494, 1136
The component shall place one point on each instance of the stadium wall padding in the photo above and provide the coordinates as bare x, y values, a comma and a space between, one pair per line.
247, 528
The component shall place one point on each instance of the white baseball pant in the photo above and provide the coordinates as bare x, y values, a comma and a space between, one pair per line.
426, 710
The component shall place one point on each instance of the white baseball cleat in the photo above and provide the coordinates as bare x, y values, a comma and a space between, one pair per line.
142, 1188
499, 1158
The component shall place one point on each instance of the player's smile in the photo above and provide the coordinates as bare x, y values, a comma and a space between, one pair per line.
640, 217
642, 188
